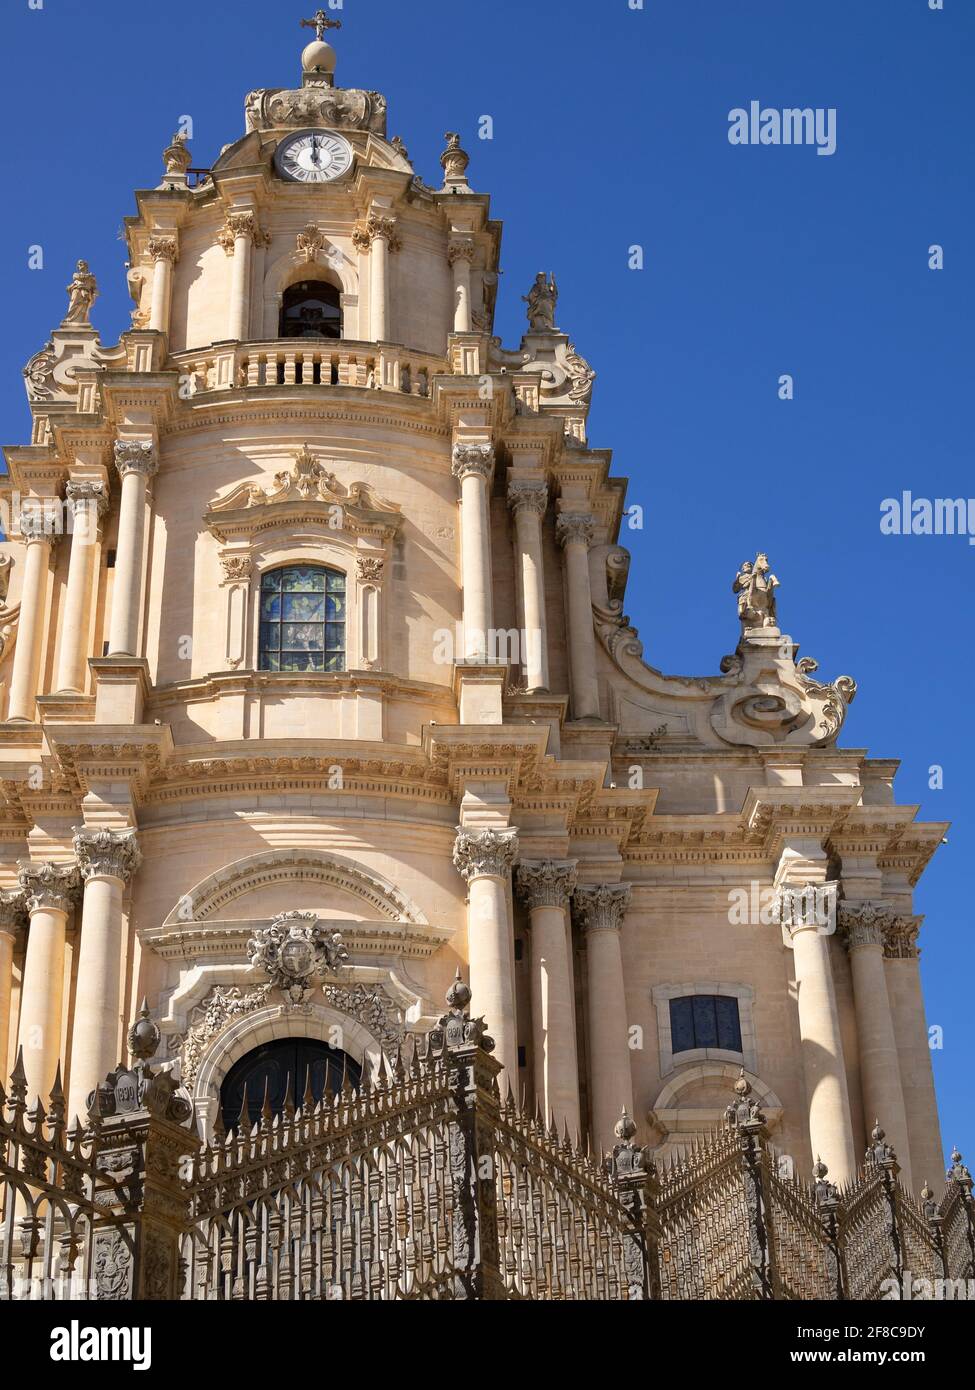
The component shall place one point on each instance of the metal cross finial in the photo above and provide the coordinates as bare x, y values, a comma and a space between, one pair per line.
320, 22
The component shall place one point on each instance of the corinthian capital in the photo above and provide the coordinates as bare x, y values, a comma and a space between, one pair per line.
13, 910
107, 854
527, 496
864, 924
162, 248
574, 526
136, 456
49, 886
87, 498
477, 459
38, 521
546, 882
600, 906
461, 251
480, 853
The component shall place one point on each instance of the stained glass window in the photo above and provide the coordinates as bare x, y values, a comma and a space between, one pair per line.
302, 619
705, 1020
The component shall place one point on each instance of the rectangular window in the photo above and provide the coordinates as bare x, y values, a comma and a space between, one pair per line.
705, 1020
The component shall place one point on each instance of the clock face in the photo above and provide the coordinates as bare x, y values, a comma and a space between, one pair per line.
313, 156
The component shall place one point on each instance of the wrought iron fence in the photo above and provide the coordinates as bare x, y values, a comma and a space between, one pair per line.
424, 1184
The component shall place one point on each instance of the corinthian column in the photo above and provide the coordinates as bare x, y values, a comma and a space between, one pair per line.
473, 465
241, 228
528, 501
107, 860
137, 462
37, 529
545, 885
460, 254
823, 1063
13, 915
600, 910
485, 857
865, 927
163, 252
88, 502
575, 531
50, 891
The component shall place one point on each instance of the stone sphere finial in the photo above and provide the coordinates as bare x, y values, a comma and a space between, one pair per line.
877, 1134
318, 56
459, 993
819, 1169
144, 1035
624, 1128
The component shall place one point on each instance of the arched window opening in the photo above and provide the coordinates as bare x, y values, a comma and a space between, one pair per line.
302, 623
311, 309
272, 1066
705, 1020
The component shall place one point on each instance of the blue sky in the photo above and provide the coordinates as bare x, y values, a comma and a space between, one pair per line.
610, 130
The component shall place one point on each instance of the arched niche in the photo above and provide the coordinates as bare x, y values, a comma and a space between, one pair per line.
329, 265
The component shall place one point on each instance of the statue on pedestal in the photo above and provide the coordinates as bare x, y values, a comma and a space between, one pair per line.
755, 588
541, 300
82, 293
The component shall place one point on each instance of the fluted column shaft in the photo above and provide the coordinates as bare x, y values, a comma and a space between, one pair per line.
473, 465
107, 860
163, 251
575, 532
823, 1064
485, 858
36, 528
242, 226
600, 909
528, 501
545, 886
50, 891
865, 926
461, 254
137, 463
88, 501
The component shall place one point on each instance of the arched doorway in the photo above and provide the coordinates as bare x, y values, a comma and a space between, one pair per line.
311, 309
272, 1064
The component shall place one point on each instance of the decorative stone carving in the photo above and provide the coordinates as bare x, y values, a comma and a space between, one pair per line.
454, 162
338, 108
13, 910
744, 1111
218, 1007
864, 924
310, 242
601, 906
162, 248
369, 1005
39, 374
473, 458
136, 456
49, 886
369, 569
900, 942
479, 853
755, 587
6, 565
541, 300
524, 495
574, 526
85, 495
107, 853
176, 156
581, 376
38, 521
236, 568
375, 226
296, 953
546, 882
82, 293
879, 1152
241, 224
461, 251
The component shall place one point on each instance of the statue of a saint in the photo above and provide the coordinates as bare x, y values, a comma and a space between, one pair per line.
541, 300
755, 588
82, 293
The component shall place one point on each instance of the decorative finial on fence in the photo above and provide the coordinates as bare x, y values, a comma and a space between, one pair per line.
958, 1172
928, 1204
456, 1027
628, 1159
129, 1089
879, 1152
744, 1109
144, 1035
822, 1190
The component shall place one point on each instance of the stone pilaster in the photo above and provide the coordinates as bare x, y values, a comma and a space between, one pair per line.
89, 503
528, 500
137, 462
575, 532
473, 467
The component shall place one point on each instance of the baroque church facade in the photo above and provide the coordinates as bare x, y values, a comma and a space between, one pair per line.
317, 687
